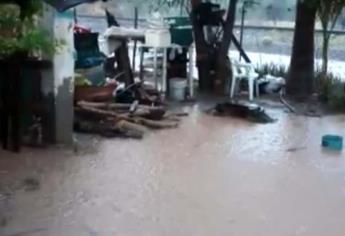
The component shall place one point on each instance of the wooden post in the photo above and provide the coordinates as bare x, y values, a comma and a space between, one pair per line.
141, 73
135, 41
123, 61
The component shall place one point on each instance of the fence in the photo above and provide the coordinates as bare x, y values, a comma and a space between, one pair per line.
257, 38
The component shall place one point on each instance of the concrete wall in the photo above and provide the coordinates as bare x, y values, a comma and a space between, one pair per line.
58, 83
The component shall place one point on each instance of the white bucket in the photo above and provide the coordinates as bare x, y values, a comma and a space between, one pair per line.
158, 37
177, 89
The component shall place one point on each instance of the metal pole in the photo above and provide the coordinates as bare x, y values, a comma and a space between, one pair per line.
75, 15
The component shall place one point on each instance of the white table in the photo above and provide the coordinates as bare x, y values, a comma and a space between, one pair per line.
165, 62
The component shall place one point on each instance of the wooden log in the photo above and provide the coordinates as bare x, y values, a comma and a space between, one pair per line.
101, 113
120, 129
153, 113
126, 126
156, 124
137, 120
115, 106
177, 114
172, 118
134, 106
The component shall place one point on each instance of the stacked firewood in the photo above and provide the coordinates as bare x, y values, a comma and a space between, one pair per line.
124, 120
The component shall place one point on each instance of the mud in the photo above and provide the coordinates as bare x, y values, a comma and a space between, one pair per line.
211, 176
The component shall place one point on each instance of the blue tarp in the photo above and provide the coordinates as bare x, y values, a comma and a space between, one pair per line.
63, 5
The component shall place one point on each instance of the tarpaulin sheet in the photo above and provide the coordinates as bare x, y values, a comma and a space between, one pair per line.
63, 5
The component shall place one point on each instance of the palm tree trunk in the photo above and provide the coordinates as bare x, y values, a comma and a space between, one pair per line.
301, 73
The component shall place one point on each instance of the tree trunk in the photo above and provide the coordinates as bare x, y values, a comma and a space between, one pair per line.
301, 74
223, 71
325, 47
212, 61
202, 52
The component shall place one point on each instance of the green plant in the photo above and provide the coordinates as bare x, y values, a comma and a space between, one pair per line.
331, 89
18, 34
328, 12
272, 69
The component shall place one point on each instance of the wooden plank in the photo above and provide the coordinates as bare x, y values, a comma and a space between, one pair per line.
123, 62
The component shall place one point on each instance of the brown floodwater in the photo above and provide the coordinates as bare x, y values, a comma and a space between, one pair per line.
211, 176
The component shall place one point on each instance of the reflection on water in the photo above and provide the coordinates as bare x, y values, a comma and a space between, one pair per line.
211, 176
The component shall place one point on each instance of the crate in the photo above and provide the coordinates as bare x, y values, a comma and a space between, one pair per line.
181, 30
158, 38
182, 35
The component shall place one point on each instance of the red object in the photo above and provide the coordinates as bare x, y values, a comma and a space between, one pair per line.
81, 30
94, 93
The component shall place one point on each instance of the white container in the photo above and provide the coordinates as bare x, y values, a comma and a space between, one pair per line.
158, 37
177, 89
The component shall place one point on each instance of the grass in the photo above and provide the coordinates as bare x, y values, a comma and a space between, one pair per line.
331, 90
272, 69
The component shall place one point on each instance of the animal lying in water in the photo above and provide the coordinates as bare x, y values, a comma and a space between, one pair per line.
250, 112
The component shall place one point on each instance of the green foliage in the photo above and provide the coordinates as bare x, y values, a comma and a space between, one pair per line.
30, 8
33, 41
19, 34
331, 90
272, 69
328, 13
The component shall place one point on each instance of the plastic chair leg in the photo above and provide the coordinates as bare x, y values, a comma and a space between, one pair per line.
251, 89
257, 89
233, 87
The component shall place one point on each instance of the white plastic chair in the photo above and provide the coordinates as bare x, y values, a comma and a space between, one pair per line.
244, 71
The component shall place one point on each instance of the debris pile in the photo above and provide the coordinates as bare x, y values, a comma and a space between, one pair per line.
123, 120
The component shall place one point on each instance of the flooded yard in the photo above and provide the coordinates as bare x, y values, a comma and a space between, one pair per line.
211, 176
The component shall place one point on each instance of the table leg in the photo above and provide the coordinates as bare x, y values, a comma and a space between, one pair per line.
155, 67
190, 72
141, 73
164, 76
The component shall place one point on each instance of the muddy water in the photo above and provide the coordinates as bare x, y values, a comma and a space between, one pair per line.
212, 176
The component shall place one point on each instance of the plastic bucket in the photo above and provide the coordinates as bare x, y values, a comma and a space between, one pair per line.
333, 142
177, 88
